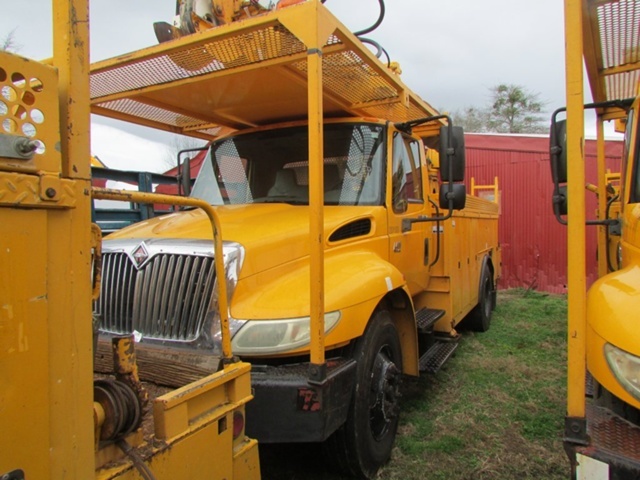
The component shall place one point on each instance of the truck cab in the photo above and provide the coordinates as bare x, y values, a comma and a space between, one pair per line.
613, 354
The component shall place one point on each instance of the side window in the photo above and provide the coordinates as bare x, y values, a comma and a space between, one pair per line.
406, 176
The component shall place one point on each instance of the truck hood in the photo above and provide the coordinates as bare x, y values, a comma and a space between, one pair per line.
271, 234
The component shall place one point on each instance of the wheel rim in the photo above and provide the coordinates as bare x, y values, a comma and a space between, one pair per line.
384, 395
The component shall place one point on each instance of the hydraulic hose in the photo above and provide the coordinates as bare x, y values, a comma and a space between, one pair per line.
375, 25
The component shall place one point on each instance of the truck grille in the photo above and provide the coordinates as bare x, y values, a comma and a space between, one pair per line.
166, 299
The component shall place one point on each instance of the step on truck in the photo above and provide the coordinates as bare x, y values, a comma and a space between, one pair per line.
57, 419
350, 249
602, 426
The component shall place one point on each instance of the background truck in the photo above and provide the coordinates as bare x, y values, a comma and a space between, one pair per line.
602, 437
57, 420
351, 252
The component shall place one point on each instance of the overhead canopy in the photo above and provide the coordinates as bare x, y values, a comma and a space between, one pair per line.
251, 73
612, 48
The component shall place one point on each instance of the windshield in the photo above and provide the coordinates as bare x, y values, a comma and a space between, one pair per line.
273, 167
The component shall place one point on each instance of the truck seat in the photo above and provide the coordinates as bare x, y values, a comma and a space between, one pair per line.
286, 185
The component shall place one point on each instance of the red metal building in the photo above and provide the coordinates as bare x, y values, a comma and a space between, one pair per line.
534, 244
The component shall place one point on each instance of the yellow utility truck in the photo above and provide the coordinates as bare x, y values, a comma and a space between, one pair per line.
350, 249
318, 234
57, 420
602, 433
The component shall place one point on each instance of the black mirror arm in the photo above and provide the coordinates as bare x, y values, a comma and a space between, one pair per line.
408, 222
179, 165
557, 200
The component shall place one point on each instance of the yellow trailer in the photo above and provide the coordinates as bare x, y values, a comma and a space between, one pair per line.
351, 251
602, 436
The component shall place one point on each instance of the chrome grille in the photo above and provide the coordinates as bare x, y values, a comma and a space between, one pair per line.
166, 299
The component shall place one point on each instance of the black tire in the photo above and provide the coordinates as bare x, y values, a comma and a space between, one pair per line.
363, 444
479, 318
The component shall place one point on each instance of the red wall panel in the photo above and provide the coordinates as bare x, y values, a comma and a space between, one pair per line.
534, 244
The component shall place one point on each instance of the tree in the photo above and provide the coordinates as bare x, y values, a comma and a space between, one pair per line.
178, 143
512, 109
515, 110
8, 42
472, 119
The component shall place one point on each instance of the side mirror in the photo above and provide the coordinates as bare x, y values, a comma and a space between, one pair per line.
452, 164
456, 192
558, 151
185, 177
560, 205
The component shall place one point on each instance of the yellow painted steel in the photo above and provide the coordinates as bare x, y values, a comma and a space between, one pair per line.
70, 327
576, 271
45, 298
193, 432
47, 244
494, 189
316, 190
602, 200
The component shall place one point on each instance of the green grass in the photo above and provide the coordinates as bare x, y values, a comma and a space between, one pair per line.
495, 411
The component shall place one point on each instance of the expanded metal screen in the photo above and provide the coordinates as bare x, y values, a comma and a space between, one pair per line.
619, 27
166, 299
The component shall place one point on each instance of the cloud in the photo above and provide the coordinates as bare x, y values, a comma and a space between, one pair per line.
124, 151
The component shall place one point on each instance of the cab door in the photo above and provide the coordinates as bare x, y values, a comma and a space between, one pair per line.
409, 250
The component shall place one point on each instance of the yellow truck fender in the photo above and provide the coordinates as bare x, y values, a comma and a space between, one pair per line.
356, 283
611, 319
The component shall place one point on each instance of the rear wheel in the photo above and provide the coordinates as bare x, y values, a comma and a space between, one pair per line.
479, 318
363, 444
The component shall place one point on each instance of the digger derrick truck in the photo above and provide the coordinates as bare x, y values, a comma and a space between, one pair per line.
58, 420
602, 432
350, 249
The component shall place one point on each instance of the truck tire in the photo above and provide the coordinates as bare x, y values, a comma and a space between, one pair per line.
479, 318
363, 444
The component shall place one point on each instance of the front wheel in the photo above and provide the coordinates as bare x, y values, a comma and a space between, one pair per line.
363, 444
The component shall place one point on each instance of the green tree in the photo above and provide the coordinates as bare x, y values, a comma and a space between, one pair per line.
514, 109
472, 119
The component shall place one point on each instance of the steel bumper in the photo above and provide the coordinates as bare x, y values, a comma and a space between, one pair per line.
289, 408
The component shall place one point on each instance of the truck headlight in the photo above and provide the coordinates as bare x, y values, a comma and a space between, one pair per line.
261, 337
625, 367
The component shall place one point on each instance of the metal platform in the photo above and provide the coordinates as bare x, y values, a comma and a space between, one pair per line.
437, 355
427, 317
252, 73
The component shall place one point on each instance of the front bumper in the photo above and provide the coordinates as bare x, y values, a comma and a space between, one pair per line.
613, 452
288, 408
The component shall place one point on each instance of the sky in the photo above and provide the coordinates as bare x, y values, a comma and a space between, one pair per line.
451, 52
